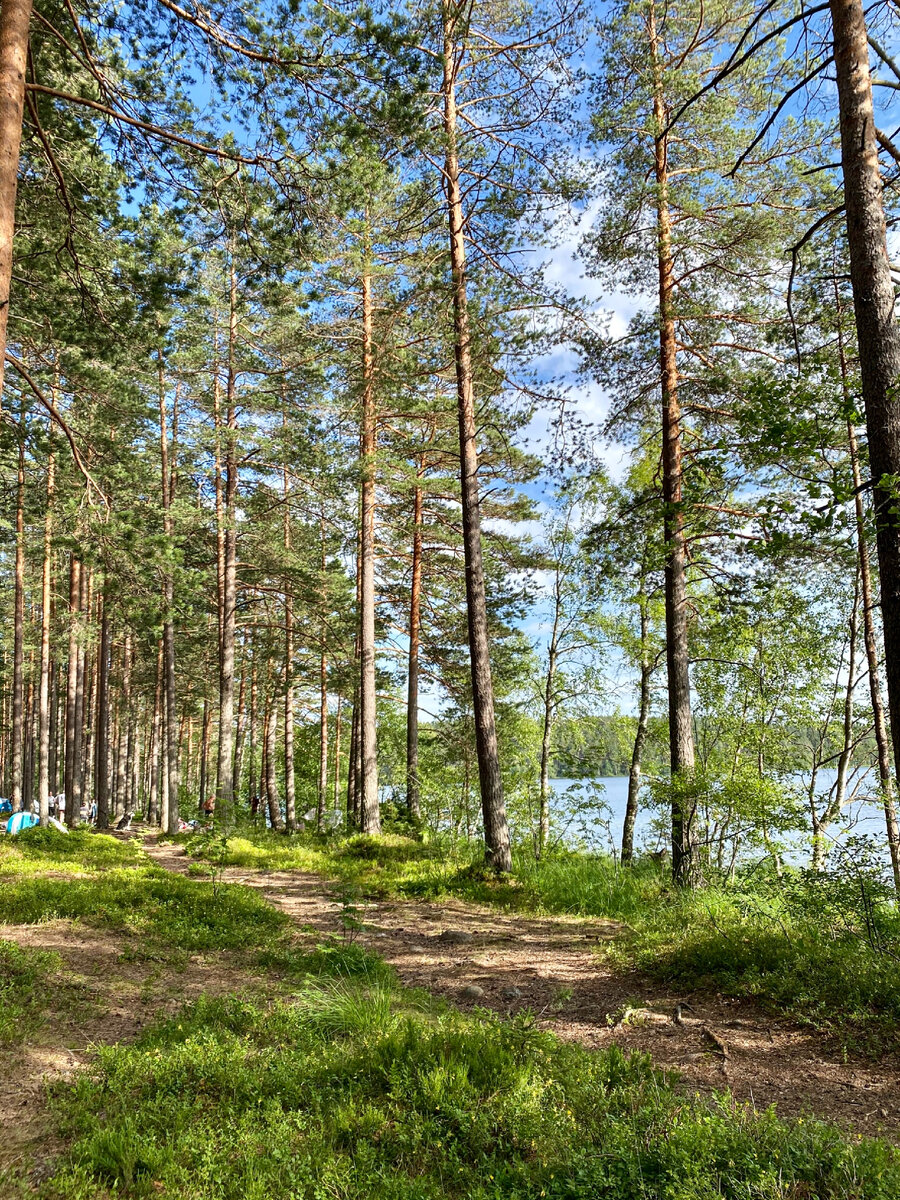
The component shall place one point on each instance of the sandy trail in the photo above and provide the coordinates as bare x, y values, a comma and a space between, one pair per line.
549, 966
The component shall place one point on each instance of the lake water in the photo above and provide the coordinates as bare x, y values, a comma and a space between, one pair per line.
600, 804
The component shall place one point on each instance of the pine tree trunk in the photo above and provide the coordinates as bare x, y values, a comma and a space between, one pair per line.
640, 737
878, 336
225, 764
122, 763
72, 678
155, 753
254, 712
353, 769
323, 692
206, 728
685, 861
271, 740
171, 718
413, 794
15, 19
370, 816
73, 810
239, 739
549, 711
337, 758
870, 640
18, 711
496, 829
101, 742
45, 698
290, 803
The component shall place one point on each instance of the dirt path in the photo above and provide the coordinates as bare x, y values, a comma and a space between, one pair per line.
103, 994
479, 957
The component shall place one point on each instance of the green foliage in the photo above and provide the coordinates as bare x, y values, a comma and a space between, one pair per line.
25, 976
363, 1093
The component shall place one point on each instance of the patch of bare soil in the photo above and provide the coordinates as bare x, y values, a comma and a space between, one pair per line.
102, 995
477, 957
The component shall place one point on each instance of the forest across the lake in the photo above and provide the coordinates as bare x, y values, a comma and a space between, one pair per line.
449, 600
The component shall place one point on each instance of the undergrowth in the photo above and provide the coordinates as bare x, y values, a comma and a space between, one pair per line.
362, 1090
25, 977
813, 945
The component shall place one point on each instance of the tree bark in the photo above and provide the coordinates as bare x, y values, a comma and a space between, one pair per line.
171, 719
225, 764
685, 864
44, 698
370, 816
870, 640
413, 793
122, 763
18, 709
640, 737
878, 336
271, 741
337, 758
71, 678
496, 829
15, 19
549, 711
290, 799
73, 810
101, 741
239, 738
155, 753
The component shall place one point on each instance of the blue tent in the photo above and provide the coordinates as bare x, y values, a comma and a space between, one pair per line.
5, 806
19, 821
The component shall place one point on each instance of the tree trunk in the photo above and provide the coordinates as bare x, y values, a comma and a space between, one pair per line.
271, 741
15, 19
370, 816
122, 763
44, 698
640, 737
239, 739
870, 640
18, 712
101, 741
73, 810
878, 336
155, 754
171, 721
496, 829
413, 795
254, 705
290, 800
225, 765
549, 710
353, 768
685, 864
71, 678
337, 757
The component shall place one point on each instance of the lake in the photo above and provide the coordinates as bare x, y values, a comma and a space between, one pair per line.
599, 829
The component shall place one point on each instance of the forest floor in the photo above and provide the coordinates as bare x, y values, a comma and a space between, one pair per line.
113, 982
451, 948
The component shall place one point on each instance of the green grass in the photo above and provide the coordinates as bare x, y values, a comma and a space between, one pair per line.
807, 945
35, 850
110, 884
26, 976
366, 1091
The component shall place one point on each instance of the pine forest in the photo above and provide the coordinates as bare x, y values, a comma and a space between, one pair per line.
449, 600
